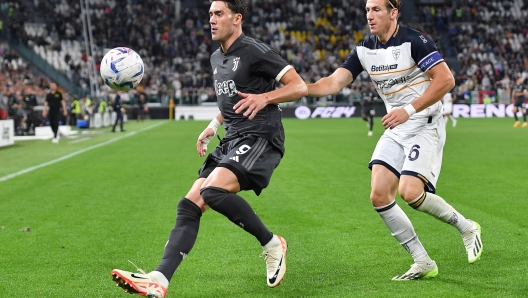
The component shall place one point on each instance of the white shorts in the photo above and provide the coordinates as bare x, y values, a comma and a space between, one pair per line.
448, 108
419, 155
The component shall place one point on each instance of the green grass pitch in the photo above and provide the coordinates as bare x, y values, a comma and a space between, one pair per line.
92, 212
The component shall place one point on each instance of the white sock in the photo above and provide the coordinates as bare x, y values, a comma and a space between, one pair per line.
273, 242
446, 119
402, 229
453, 119
436, 206
160, 278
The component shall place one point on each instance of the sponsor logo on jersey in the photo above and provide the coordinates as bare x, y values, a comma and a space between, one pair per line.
379, 68
390, 82
226, 87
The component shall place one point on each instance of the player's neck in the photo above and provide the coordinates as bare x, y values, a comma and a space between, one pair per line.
228, 42
392, 30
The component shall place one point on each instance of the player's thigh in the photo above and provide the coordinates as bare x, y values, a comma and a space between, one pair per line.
423, 157
384, 184
223, 178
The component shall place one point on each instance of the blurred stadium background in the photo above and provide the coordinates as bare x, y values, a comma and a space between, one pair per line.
70, 213
484, 42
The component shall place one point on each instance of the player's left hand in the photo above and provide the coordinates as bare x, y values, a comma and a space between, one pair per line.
395, 118
64, 113
251, 104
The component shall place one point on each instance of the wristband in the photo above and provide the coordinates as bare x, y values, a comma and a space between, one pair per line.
409, 109
214, 125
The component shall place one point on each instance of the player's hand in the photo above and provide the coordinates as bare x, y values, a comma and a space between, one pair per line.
251, 104
203, 140
44, 113
395, 118
64, 113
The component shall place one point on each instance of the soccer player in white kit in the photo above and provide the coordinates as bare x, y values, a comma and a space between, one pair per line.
411, 77
448, 108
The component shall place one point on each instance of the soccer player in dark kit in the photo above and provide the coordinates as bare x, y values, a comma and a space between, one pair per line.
245, 72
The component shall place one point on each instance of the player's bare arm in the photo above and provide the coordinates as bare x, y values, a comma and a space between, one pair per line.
294, 88
64, 111
45, 110
331, 84
207, 135
441, 82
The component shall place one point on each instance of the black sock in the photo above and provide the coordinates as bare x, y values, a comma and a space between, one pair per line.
515, 116
524, 116
237, 210
181, 238
371, 122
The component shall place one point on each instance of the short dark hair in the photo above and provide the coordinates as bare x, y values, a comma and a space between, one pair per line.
236, 6
394, 4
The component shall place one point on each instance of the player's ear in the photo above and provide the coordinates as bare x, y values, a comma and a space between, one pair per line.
238, 18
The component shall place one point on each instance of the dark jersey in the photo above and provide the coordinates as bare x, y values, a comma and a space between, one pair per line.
117, 103
367, 104
54, 101
249, 66
518, 88
30, 102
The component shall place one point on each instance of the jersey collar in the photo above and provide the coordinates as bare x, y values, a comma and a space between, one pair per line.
234, 45
391, 39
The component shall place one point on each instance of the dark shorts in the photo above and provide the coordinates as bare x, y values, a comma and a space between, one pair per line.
250, 158
368, 112
519, 102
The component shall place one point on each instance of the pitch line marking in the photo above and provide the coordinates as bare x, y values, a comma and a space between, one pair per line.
33, 168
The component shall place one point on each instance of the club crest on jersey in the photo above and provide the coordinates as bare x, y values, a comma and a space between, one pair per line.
396, 54
235, 63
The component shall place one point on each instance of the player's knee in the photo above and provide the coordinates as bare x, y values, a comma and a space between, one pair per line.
380, 198
187, 208
213, 196
410, 193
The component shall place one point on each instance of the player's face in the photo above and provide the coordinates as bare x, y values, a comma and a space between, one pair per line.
222, 21
378, 16
53, 87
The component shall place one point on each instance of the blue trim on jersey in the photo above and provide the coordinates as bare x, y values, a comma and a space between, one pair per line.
428, 186
381, 162
430, 60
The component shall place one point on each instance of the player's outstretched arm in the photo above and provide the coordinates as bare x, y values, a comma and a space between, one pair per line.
207, 135
331, 84
294, 88
441, 82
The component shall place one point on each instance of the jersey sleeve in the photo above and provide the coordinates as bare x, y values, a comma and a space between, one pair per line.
271, 64
353, 64
425, 52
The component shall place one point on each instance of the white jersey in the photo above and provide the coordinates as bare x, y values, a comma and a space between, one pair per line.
397, 69
448, 103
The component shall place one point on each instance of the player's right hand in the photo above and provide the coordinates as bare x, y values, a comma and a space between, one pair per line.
203, 140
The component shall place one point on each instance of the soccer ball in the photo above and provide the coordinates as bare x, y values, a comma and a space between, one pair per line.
122, 69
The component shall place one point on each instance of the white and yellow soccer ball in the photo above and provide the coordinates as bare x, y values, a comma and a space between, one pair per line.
122, 69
